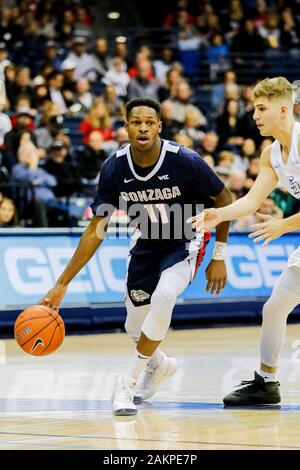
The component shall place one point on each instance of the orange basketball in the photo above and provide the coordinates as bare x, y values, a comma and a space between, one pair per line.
39, 330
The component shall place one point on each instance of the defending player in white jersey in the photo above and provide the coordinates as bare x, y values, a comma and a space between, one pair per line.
280, 162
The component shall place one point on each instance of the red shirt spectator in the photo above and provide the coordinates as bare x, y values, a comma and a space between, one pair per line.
97, 120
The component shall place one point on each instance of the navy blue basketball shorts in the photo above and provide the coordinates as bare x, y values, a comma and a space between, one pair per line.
145, 269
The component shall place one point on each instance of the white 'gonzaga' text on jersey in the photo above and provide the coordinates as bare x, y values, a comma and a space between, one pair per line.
180, 179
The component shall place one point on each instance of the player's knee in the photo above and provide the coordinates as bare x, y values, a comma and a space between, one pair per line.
134, 319
132, 330
163, 298
157, 323
281, 302
268, 308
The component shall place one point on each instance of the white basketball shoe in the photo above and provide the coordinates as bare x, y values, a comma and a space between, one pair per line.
123, 397
150, 378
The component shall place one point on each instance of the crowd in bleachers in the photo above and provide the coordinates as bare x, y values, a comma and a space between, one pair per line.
64, 85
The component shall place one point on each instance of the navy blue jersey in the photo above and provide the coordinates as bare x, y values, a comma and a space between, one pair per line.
160, 198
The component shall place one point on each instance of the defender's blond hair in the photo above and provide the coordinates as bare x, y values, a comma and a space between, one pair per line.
277, 87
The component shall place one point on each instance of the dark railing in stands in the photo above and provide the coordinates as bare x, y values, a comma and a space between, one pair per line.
63, 212
249, 66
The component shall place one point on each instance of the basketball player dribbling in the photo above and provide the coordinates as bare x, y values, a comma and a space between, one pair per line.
154, 175
279, 162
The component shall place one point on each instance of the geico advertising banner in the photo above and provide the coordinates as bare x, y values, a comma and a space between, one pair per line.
31, 264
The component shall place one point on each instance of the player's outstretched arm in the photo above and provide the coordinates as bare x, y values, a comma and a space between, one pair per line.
262, 187
90, 240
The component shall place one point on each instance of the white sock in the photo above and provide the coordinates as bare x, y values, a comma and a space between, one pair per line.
139, 361
268, 376
156, 358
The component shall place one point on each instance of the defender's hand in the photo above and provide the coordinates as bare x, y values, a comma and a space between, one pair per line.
269, 229
54, 296
206, 221
216, 275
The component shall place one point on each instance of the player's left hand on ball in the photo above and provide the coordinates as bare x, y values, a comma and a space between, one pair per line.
216, 276
269, 229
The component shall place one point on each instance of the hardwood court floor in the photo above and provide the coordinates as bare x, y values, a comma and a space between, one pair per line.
62, 401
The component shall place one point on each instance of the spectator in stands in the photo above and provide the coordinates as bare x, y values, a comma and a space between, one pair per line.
27, 170
4, 61
143, 55
55, 84
121, 137
9, 27
170, 126
261, 13
46, 27
121, 51
12, 138
49, 109
222, 92
226, 159
229, 125
117, 77
264, 143
114, 104
183, 139
100, 59
289, 33
83, 60
83, 95
248, 151
8, 213
209, 160
247, 45
189, 44
21, 86
192, 127
97, 120
270, 31
41, 92
172, 16
5, 123
235, 15
297, 112
141, 85
67, 175
217, 56
223, 173
181, 104
90, 160
162, 65
50, 131
212, 25
68, 68
50, 57
65, 28
236, 183
209, 145
83, 24
252, 171
23, 103
9, 74
173, 77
